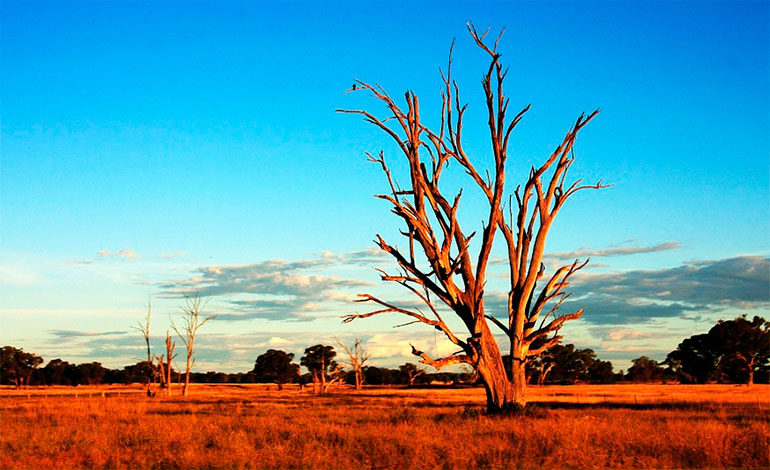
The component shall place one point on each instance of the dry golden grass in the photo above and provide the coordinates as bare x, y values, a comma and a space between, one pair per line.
664, 426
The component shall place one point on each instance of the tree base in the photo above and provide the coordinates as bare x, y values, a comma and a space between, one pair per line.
517, 409
506, 409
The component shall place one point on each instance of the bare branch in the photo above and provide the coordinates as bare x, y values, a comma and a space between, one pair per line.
554, 325
390, 308
443, 362
499, 324
193, 317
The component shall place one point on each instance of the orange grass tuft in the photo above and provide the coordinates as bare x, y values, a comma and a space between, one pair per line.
251, 427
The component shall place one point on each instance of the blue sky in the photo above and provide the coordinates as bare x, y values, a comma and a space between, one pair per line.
153, 147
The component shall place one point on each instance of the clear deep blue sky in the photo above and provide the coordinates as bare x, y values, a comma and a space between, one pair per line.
193, 135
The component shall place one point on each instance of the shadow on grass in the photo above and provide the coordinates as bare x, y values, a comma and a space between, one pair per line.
671, 405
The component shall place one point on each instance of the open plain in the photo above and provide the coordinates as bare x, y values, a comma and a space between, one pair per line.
257, 426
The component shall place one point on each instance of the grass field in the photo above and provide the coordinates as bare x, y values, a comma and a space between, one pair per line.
229, 426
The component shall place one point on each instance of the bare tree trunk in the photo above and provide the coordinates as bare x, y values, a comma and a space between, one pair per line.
750, 366
164, 366
323, 375
144, 328
335, 376
168, 379
501, 393
162, 374
315, 383
186, 377
170, 346
29, 376
544, 370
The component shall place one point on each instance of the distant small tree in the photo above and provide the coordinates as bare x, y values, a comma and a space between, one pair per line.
276, 366
693, 361
565, 364
193, 317
743, 346
381, 376
144, 329
410, 372
165, 365
17, 366
569, 365
538, 369
58, 372
136, 373
731, 351
319, 361
600, 372
357, 357
645, 370
90, 373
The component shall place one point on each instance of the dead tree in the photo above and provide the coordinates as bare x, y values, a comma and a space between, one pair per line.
162, 374
144, 329
357, 356
411, 372
193, 317
444, 269
165, 365
545, 368
335, 376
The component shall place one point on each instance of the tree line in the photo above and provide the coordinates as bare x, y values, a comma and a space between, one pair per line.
733, 351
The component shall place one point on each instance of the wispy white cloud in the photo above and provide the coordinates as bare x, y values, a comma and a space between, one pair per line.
61, 334
554, 260
587, 252
127, 253
369, 255
275, 289
629, 348
628, 334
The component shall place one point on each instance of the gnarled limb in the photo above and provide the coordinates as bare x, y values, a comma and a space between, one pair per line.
390, 308
442, 362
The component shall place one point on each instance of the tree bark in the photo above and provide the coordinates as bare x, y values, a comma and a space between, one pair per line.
323, 375
358, 379
29, 376
503, 395
186, 378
